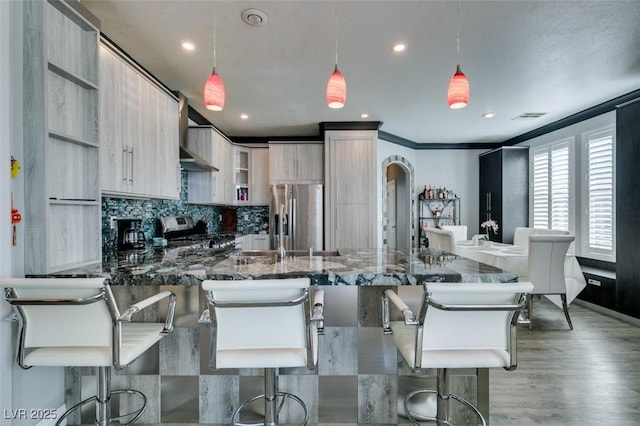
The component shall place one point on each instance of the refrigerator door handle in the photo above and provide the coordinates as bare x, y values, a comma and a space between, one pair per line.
292, 223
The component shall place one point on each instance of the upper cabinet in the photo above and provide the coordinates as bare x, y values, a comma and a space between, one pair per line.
259, 176
296, 162
242, 172
139, 131
210, 187
61, 137
251, 174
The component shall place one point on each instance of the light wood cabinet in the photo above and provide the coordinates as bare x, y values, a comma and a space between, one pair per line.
139, 124
253, 242
259, 177
251, 179
296, 162
350, 190
210, 187
61, 137
241, 174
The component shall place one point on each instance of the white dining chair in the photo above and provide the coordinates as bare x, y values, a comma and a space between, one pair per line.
459, 325
522, 233
75, 322
459, 231
441, 240
521, 236
267, 324
546, 262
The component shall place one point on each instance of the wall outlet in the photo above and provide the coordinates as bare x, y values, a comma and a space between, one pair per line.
112, 222
594, 282
246, 216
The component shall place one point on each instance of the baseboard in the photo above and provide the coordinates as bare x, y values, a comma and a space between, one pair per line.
608, 312
52, 422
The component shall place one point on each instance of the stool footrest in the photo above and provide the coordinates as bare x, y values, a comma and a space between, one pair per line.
136, 413
414, 417
283, 395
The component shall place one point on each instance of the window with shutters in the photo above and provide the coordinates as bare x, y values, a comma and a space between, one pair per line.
598, 205
551, 186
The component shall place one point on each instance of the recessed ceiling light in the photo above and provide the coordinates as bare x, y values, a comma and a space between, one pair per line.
364, 115
244, 116
187, 45
399, 47
489, 115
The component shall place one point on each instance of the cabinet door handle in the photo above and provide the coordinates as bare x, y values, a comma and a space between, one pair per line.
178, 179
488, 201
125, 167
131, 166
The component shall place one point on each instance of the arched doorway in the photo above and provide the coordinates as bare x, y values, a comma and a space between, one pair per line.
398, 200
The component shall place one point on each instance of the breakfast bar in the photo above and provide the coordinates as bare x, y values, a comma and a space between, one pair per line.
359, 377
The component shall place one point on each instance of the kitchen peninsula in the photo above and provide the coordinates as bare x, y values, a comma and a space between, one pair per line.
358, 368
189, 265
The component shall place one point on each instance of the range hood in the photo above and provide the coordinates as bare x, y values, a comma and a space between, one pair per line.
189, 160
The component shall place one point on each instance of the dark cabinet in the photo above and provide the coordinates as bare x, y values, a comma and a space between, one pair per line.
504, 190
627, 208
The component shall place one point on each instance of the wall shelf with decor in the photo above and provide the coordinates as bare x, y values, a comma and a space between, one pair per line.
436, 207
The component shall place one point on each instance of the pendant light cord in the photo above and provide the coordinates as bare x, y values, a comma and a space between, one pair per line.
214, 37
458, 39
336, 13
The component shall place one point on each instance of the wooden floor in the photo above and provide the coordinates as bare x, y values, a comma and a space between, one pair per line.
586, 376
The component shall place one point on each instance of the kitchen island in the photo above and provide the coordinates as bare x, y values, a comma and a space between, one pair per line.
359, 377
190, 265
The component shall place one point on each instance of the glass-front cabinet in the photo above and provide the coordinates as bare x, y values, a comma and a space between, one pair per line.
242, 174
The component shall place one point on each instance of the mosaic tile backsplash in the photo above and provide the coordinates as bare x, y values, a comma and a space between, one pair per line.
251, 220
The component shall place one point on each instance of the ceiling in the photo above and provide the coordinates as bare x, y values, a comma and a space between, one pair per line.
552, 57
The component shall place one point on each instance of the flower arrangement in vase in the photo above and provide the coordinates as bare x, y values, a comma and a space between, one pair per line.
489, 225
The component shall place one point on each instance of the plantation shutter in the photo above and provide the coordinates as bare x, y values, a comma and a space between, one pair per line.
600, 191
551, 207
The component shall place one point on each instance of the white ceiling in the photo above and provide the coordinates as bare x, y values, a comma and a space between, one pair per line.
556, 57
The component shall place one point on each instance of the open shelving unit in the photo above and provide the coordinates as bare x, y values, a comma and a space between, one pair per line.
61, 134
437, 212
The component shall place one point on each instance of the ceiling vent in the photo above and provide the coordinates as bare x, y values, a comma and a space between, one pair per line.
254, 17
529, 116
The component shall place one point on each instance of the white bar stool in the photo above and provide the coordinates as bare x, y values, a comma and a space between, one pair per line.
75, 322
267, 324
460, 325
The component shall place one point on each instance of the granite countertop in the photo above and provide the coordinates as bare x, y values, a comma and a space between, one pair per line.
191, 265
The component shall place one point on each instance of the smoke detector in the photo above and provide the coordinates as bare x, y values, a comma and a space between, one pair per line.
254, 17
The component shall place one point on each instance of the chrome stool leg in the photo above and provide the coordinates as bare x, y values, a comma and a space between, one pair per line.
271, 406
102, 400
443, 398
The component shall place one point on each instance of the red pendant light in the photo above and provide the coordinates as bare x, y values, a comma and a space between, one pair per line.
336, 87
458, 91
336, 90
214, 92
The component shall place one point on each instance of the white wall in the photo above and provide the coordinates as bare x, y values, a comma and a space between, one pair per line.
38, 387
455, 169
6, 366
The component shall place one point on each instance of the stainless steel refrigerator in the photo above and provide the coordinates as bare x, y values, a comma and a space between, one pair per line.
303, 216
